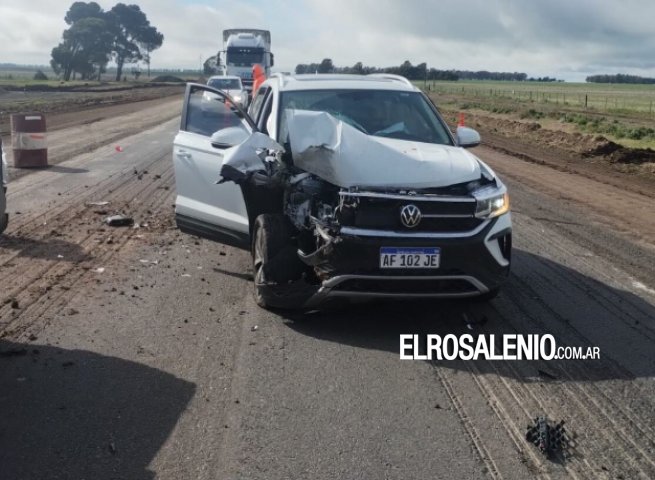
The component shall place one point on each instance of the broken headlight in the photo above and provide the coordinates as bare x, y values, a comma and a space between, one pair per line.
491, 201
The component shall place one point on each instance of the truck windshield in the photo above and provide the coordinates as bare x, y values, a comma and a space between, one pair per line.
381, 113
225, 83
244, 57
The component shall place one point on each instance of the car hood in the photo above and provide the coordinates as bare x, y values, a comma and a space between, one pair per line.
342, 155
232, 93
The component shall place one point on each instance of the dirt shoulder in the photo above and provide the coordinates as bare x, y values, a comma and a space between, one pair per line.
591, 156
68, 108
74, 133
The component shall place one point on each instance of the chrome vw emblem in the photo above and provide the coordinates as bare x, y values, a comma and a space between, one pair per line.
410, 216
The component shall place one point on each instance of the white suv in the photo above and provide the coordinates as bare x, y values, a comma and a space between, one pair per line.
343, 186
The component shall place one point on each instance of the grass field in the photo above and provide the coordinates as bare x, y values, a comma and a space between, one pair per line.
595, 97
16, 76
623, 113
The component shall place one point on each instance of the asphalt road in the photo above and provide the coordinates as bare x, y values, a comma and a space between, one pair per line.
139, 353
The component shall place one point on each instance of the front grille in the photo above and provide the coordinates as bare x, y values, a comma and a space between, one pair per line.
384, 214
415, 286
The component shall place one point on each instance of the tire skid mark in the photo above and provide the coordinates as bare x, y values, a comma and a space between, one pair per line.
566, 396
42, 270
63, 272
609, 365
498, 406
67, 277
561, 396
112, 186
602, 298
472, 432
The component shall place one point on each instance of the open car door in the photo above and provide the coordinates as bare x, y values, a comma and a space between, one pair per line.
211, 124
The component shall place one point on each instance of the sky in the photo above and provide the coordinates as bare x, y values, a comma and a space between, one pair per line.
568, 39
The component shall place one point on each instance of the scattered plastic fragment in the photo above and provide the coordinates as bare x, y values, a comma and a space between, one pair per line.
97, 204
548, 438
99, 270
119, 148
119, 221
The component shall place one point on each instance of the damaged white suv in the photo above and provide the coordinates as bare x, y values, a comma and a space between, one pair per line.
343, 186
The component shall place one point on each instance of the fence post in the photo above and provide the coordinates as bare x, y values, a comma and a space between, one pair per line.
585, 101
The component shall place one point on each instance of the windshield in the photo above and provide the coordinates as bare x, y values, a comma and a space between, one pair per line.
225, 83
244, 57
381, 113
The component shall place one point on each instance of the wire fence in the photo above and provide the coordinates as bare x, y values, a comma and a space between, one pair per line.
614, 99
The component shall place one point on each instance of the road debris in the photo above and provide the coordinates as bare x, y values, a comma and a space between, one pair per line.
119, 221
97, 204
548, 438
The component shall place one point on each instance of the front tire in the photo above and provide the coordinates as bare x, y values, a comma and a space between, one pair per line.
276, 265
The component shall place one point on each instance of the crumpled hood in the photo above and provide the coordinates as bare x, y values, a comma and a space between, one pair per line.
342, 155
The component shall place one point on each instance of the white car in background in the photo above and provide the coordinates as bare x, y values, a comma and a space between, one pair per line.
231, 85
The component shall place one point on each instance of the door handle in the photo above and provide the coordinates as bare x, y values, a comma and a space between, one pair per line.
183, 155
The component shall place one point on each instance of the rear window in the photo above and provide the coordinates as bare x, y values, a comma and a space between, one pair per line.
381, 113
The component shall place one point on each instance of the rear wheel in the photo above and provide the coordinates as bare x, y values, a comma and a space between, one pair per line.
277, 268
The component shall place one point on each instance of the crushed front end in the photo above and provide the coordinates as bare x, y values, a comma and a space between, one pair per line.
360, 243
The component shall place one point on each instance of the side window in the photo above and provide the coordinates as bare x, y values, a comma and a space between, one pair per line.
258, 103
207, 112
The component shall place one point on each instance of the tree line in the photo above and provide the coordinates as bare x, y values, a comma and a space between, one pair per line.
95, 36
413, 72
619, 78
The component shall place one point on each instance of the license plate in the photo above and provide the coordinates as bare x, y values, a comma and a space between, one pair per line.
408, 257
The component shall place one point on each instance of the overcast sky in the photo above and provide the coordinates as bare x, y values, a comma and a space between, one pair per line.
565, 38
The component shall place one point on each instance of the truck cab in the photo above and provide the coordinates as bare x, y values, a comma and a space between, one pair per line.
244, 48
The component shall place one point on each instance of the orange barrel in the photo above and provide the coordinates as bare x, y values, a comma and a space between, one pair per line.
28, 140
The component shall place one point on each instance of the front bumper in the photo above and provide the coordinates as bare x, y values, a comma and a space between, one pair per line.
472, 263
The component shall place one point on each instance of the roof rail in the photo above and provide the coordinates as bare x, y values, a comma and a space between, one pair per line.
279, 75
393, 77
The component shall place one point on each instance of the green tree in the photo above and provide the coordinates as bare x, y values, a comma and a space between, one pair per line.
86, 46
133, 35
326, 66
80, 10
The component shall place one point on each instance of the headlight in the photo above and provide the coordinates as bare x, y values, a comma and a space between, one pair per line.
491, 201
237, 98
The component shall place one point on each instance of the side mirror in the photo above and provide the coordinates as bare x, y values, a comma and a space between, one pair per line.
467, 137
229, 137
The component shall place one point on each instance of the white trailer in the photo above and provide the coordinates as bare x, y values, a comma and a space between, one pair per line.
243, 48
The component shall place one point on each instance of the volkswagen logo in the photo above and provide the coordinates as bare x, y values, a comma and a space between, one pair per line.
410, 216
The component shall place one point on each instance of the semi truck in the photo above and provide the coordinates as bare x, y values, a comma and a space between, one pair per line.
243, 48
